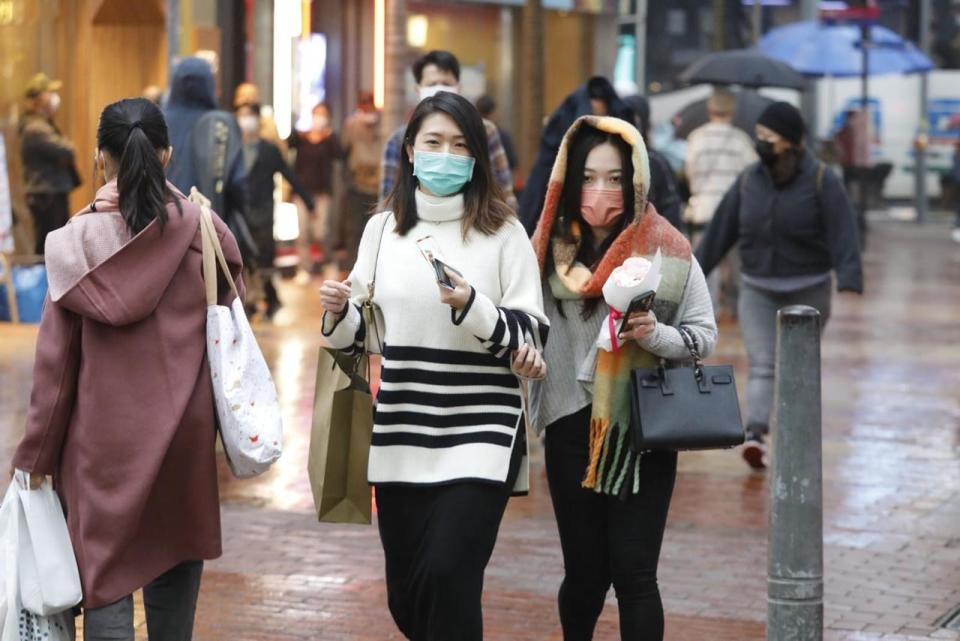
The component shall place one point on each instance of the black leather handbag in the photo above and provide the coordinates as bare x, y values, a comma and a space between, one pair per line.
685, 408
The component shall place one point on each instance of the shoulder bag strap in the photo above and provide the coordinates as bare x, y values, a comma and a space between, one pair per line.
372, 284
213, 254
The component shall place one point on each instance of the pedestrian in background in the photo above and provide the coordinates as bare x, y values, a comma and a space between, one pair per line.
317, 150
795, 226
443, 478
364, 142
596, 216
122, 411
207, 148
262, 161
717, 152
49, 160
597, 97
434, 72
247, 93
664, 194
487, 107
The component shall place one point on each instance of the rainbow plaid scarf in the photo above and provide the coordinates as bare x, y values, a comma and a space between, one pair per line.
614, 468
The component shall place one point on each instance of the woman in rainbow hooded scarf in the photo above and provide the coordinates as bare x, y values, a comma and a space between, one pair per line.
611, 503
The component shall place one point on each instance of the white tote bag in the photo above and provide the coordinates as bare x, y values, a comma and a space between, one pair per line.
39, 573
49, 579
245, 396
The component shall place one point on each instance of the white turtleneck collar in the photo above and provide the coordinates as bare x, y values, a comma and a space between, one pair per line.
439, 209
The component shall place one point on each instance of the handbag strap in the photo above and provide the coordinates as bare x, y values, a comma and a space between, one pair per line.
690, 340
371, 289
372, 283
213, 254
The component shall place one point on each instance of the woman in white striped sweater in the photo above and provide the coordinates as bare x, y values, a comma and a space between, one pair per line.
448, 444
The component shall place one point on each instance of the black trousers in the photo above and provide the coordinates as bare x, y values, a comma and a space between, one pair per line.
437, 541
267, 248
606, 540
50, 212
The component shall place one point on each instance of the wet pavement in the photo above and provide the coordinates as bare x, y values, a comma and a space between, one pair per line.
891, 421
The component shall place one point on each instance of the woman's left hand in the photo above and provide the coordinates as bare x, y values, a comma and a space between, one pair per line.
528, 363
639, 326
459, 296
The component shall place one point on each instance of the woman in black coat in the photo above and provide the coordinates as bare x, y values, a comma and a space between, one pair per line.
263, 160
796, 229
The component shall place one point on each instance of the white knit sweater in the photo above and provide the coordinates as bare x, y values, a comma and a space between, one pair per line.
449, 407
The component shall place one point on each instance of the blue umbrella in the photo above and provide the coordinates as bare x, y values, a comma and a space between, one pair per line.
821, 49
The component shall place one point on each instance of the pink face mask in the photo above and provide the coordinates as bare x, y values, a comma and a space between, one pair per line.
601, 207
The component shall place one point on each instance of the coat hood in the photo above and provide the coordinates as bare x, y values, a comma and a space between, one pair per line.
192, 85
191, 96
641, 175
98, 271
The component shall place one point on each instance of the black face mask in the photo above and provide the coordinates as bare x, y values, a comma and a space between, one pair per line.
765, 150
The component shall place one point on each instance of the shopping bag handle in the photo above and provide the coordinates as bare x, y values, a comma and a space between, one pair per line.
212, 251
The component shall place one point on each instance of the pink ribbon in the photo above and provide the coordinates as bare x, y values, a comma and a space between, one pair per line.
615, 315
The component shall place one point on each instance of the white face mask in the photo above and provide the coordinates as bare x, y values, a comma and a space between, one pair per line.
248, 124
319, 122
430, 92
54, 102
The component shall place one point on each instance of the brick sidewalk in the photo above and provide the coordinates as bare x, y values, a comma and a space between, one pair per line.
891, 492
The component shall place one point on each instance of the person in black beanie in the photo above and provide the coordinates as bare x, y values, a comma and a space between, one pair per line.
797, 232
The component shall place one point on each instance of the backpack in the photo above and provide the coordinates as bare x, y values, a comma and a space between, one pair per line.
216, 145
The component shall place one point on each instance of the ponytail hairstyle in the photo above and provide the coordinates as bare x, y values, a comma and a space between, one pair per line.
134, 133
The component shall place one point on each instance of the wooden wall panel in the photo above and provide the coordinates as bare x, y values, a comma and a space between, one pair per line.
112, 54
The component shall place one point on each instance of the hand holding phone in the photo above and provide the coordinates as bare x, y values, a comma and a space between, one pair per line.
642, 303
639, 305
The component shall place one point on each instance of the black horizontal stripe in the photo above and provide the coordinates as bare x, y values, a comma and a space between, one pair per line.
408, 375
439, 442
440, 356
500, 329
393, 397
454, 419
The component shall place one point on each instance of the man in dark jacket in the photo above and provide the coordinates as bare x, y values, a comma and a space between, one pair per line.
664, 195
207, 148
793, 220
49, 168
597, 97
262, 160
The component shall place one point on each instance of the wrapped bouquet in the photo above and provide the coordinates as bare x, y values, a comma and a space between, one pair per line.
636, 278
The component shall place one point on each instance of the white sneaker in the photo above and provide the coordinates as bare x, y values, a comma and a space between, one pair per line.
955, 234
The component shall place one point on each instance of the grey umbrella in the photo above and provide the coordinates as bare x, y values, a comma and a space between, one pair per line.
744, 67
750, 105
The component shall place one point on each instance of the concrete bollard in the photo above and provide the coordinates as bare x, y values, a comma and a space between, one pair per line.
795, 567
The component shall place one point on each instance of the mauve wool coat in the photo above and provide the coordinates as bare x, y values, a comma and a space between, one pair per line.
122, 410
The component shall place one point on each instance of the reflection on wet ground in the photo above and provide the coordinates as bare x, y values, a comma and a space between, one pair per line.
891, 422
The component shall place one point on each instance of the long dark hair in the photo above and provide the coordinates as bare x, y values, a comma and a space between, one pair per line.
568, 209
485, 209
134, 133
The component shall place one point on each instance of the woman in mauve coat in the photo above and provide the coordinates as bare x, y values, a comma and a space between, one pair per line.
122, 412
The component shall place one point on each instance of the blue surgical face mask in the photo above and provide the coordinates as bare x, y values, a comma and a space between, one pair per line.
442, 174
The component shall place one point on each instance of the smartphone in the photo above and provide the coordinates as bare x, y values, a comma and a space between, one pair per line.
642, 303
440, 268
430, 251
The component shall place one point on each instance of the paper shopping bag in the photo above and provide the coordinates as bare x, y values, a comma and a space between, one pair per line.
340, 440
